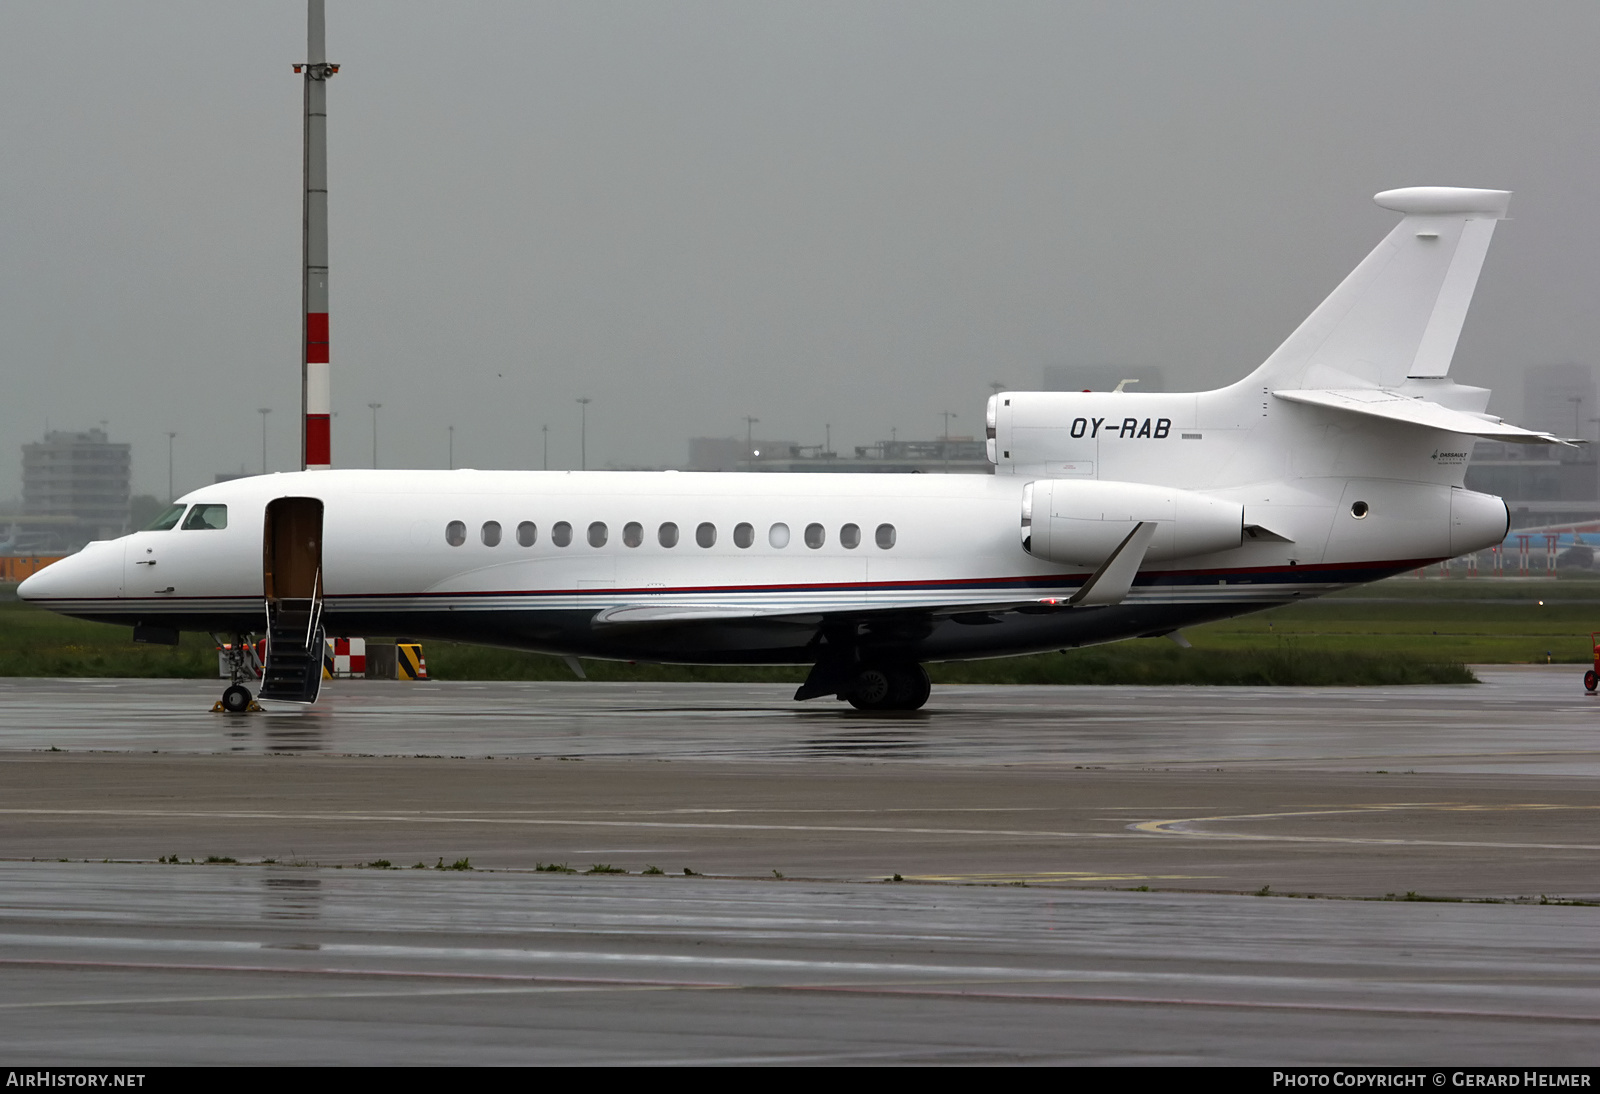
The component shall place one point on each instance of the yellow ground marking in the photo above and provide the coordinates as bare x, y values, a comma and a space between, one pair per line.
1041, 877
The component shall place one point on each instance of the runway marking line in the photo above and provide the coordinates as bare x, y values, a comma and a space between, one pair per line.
1387, 757
1132, 831
433, 818
1180, 826
555, 985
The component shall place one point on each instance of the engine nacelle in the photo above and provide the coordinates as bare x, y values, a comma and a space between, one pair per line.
1079, 522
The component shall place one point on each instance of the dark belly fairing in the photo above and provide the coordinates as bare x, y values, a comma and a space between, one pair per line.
771, 642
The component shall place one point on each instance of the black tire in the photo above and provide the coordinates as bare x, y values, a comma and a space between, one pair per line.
236, 700
874, 688
912, 687
1591, 680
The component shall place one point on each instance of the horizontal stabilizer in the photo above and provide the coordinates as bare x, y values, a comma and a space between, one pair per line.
1396, 407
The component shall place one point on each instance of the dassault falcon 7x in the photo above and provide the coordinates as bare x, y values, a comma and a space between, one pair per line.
1109, 515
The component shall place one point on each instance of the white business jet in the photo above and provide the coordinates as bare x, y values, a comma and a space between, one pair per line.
1110, 515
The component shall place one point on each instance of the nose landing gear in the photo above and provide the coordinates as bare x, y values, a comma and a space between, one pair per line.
236, 698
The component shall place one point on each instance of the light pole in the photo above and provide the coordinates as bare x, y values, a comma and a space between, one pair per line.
749, 438
170, 494
374, 408
545, 430
583, 434
1577, 408
452, 430
264, 411
827, 442
944, 442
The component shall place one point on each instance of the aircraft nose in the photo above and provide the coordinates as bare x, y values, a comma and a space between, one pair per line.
93, 573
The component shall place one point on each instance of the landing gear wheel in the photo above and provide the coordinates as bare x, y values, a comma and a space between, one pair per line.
874, 688
911, 687
236, 700
1591, 680
890, 687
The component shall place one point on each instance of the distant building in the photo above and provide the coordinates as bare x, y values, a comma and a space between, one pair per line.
953, 455
1102, 377
1542, 484
1560, 399
730, 453
75, 488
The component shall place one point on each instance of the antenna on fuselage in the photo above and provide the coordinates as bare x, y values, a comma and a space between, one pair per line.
316, 443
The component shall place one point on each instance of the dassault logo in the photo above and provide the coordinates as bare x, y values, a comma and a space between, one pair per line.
1449, 458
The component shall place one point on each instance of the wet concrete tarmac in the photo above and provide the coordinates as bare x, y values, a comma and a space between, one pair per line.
1520, 720
129, 965
1022, 820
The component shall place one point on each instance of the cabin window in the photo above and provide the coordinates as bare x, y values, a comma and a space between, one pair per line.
455, 533
778, 535
527, 533
884, 537
597, 534
743, 535
850, 537
207, 516
706, 534
167, 520
667, 535
816, 536
490, 533
561, 534
632, 534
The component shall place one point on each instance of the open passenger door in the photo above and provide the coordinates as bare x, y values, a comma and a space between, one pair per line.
291, 578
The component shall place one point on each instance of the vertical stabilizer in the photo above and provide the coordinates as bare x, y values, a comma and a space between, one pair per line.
1400, 312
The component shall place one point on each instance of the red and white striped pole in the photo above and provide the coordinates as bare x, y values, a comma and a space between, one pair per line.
315, 392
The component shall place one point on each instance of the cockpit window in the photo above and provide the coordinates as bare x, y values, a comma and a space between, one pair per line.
207, 516
167, 520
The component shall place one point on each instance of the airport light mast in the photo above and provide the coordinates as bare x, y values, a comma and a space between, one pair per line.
316, 401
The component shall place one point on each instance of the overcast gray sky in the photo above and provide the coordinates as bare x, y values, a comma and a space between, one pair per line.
849, 213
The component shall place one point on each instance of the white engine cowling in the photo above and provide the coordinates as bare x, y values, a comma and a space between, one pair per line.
1081, 521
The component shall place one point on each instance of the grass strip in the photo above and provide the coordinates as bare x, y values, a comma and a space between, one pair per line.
1313, 644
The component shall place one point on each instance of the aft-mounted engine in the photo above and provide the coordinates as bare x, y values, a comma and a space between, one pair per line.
1080, 522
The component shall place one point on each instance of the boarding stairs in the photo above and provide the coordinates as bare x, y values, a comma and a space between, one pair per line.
295, 640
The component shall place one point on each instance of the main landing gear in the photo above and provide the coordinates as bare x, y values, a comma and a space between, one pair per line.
236, 698
893, 686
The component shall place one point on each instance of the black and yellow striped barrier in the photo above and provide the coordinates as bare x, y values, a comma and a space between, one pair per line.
409, 663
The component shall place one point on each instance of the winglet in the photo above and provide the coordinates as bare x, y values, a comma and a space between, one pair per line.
1111, 582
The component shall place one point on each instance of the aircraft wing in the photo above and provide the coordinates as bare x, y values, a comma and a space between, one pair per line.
1107, 585
1395, 407
643, 614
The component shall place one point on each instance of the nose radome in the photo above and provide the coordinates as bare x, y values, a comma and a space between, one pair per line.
93, 573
